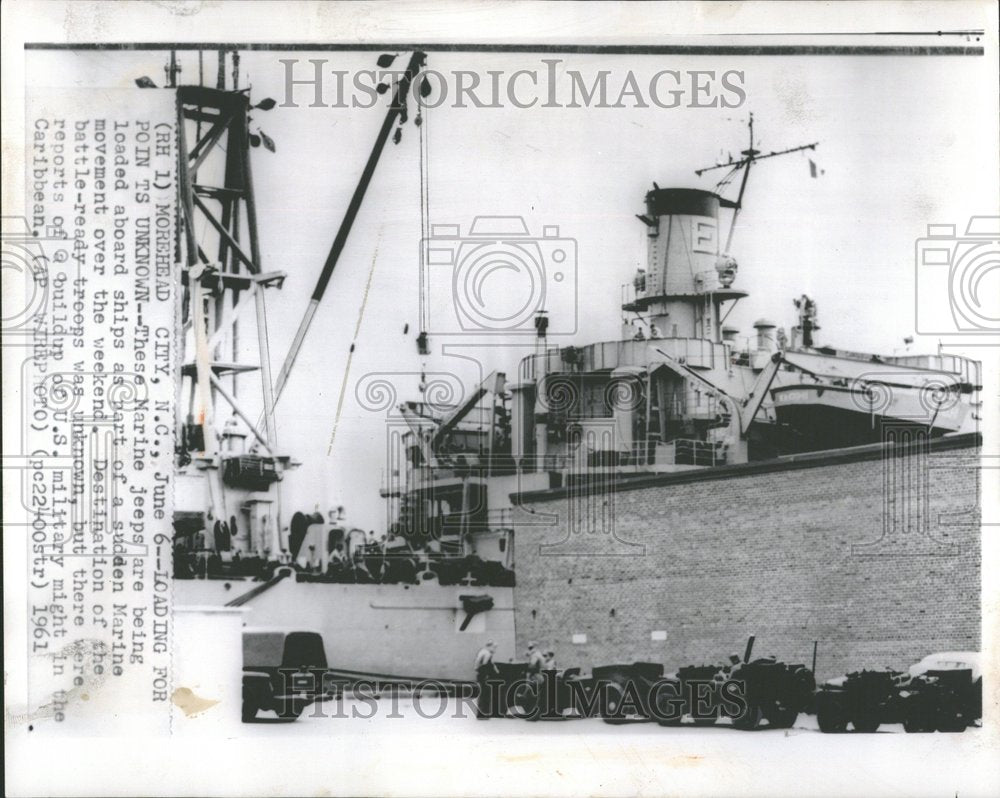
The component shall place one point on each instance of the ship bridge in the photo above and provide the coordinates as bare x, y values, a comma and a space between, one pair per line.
660, 404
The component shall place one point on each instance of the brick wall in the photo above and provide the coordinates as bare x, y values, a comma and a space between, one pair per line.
775, 549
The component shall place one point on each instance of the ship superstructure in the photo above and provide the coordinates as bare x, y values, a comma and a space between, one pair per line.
676, 392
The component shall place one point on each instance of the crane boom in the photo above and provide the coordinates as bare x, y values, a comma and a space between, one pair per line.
494, 384
416, 62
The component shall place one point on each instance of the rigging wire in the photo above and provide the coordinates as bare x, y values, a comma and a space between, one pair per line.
422, 120
728, 178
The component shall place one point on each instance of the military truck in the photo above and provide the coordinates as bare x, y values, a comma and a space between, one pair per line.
768, 690
773, 691
548, 695
942, 692
864, 699
283, 671
757, 691
624, 692
696, 695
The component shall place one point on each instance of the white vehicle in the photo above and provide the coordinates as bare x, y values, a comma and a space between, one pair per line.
949, 660
945, 692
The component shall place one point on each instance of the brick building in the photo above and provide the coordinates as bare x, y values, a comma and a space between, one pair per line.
874, 552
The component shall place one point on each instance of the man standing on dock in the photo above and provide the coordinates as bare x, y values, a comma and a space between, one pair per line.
536, 661
549, 664
485, 668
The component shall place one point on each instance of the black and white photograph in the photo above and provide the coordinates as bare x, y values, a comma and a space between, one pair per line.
501, 398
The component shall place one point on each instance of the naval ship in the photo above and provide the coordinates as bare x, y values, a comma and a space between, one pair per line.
675, 392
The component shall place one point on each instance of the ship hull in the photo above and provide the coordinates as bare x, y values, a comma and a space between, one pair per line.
831, 417
389, 632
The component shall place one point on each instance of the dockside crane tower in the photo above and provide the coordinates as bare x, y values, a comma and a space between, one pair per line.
228, 470
229, 467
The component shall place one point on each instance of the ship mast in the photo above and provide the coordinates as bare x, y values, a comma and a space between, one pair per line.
750, 156
688, 276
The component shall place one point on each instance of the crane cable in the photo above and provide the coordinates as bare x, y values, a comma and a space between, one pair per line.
423, 118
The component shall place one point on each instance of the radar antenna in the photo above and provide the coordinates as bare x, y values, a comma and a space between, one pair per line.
750, 156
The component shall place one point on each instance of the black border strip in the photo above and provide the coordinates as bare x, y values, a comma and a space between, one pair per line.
855, 454
544, 49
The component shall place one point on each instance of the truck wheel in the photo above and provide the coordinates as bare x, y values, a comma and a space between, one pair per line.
249, 709
612, 704
668, 716
750, 719
290, 711
526, 701
866, 724
916, 726
830, 716
707, 721
918, 716
952, 721
830, 723
779, 717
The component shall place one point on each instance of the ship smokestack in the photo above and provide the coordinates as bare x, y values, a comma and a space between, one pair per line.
686, 278
765, 334
767, 344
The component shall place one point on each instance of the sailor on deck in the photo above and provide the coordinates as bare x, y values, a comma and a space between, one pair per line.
336, 561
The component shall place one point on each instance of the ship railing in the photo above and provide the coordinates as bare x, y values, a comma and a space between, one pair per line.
632, 292
684, 451
680, 451
641, 454
965, 368
705, 281
499, 519
536, 365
